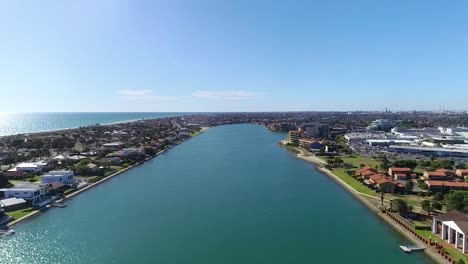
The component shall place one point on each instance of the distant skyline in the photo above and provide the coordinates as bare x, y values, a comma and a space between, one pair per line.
224, 56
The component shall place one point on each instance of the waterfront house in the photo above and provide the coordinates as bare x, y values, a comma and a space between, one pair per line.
110, 161
32, 193
446, 185
461, 173
65, 177
438, 175
127, 152
93, 168
453, 228
11, 204
401, 173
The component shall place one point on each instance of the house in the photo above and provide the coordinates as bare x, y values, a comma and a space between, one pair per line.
14, 175
366, 171
113, 145
461, 173
65, 177
452, 227
111, 161
438, 175
446, 185
30, 192
127, 152
29, 167
388, 185
93, 168
11, 204
375, 177
401, 173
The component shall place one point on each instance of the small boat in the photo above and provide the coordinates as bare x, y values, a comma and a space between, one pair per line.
9, 232
60, 205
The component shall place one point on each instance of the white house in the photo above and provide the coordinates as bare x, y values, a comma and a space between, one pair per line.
65, 177
452, 227
29, 167
30, 192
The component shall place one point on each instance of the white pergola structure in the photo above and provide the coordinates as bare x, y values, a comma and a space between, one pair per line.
452, 227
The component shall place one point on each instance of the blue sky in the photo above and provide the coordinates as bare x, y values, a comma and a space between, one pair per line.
116, 55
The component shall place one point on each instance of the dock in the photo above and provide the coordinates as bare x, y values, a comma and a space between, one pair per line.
409, 249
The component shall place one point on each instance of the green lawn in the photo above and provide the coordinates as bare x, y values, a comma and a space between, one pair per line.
355, 184
357, 160
20, 213
195, 133
452, 251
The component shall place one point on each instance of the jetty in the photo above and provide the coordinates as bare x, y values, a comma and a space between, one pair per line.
410, 249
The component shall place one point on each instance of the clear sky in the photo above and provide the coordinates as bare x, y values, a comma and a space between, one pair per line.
239, 55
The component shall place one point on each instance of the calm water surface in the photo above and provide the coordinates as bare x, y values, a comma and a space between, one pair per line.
18, 123
230, 195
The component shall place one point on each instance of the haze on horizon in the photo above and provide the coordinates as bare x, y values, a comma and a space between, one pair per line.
209, 56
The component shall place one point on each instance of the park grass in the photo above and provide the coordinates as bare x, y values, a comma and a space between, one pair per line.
195, 133
357, 160
456, 254
353, 183
20, 213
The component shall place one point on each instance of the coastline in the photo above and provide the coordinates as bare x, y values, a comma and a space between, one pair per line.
89, 125
70, 196
319, 163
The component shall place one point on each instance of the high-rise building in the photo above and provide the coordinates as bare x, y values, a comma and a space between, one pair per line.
316, 130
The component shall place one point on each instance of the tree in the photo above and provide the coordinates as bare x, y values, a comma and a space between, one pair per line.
321, 152
382, 198
409, 186
457, 200
400, 206
438, 196
405, 163
82, 170
384, 163
437, 206
4, 181
426, 206
150, 151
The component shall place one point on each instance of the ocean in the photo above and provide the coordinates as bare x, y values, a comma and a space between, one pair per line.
20, 123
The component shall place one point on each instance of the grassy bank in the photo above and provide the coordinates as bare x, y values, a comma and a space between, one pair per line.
20, 213
355, 184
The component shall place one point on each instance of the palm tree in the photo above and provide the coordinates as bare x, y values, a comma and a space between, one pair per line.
382, 198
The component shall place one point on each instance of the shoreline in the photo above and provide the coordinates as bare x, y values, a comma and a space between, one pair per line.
361, 197
90, 186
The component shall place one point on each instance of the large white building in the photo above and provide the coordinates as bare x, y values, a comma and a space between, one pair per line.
452, 227
65, 177
29, 192
29, 167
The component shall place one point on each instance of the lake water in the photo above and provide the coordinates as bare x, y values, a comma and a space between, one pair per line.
18, 123
230, 195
